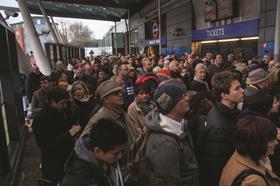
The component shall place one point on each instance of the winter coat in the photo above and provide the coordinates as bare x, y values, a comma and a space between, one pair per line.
55, 142
38, 102
198, 86
216, 143
33, 84
238, 163
83, 169
169, 153
85, 108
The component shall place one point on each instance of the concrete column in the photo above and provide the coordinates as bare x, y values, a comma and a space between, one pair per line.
159, 27
39, 54
48, 21
277, 34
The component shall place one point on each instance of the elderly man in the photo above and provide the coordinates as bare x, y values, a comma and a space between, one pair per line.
169, 148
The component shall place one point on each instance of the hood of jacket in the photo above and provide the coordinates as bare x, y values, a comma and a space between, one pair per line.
159, 124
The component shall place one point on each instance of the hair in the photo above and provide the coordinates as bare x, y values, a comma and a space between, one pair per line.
43, 78
252, 136
261, 102
222, 82
172, 63
200, 66
57, 94
79, 83
274, 75
107, 134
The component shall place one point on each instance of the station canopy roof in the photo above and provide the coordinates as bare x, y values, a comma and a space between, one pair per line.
107, 10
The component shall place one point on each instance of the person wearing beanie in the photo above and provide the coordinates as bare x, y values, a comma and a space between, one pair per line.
169, 148
217, 135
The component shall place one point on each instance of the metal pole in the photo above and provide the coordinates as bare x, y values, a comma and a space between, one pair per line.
39, 54
277, 34
116, 44
159, 27
129, 34
48, 21
56, 30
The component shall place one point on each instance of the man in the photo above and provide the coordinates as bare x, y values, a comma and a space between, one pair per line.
265, 62
39, 98
216, 138
33, 81
217, 66
169, 149
129, 89
174, 69
208, 60
54, 135
95, 162
257, 80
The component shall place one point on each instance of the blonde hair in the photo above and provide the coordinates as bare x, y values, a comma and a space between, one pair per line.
274, 75
79, 83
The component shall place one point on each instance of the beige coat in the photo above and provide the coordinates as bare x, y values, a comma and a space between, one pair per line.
238, 163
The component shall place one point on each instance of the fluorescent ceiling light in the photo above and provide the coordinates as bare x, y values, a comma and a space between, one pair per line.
227, 40
212, 41
249, 38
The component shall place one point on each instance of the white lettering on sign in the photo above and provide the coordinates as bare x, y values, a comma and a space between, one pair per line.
215, 32
152, 42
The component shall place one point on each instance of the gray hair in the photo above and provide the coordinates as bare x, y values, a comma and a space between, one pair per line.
200, 66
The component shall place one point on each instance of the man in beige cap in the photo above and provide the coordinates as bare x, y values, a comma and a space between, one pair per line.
110, 95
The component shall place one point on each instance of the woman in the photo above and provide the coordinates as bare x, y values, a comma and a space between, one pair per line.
255, 141
199, 84
85, 102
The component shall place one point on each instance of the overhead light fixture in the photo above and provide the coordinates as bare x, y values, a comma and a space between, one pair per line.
212, 41
249, 38
227, 40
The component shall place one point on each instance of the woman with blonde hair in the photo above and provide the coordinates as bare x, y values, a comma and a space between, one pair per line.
82, 98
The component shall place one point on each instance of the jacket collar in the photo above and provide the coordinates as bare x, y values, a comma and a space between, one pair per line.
228, 112
171, 126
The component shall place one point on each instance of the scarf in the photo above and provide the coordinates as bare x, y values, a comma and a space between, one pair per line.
85, 99
145, 107
203, 82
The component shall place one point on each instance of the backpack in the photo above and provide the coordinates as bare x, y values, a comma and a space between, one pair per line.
247, 172
137, 170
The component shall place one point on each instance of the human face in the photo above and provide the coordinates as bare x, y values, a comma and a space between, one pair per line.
143, 96
200, 73
59, 65
87, 70
44, 84
271, 147
79, 91
124, 70
236, 93
60, 105
219, 59
115, 99
102, 75
183, 105
111, 156
175, 66
275, 106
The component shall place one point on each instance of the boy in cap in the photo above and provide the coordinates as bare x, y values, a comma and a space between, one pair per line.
169, 149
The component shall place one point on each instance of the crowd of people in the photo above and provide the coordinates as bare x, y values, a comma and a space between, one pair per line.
188, 121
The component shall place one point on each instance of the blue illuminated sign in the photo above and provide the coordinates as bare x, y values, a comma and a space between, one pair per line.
242, 29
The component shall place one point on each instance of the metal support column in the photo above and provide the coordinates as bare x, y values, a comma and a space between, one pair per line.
56, 31
159, 27
129, 33
48, 21
277, 34
39, 54
115, 38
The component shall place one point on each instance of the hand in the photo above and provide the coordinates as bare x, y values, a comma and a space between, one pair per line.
74, 130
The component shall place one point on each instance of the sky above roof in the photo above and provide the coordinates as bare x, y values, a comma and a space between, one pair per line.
99, 28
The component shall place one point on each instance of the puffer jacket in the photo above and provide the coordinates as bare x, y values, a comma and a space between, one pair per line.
216, 143
170, 154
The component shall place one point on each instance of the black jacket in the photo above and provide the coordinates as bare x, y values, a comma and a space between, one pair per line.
216, 143
83, 173
55, 142
198, 87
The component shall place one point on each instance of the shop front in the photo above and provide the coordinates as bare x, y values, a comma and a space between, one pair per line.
227, 39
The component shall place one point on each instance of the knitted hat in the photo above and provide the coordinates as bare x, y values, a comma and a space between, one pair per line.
257, 76
168, 93
106, 88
